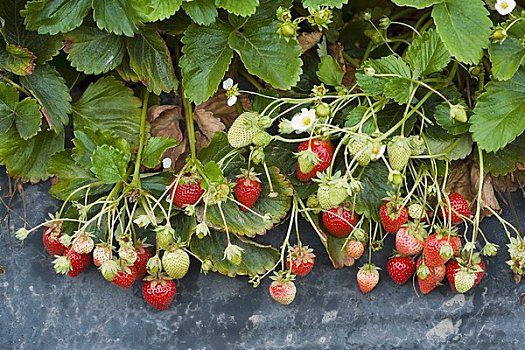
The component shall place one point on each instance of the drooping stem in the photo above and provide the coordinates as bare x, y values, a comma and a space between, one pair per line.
190, 126
136, 174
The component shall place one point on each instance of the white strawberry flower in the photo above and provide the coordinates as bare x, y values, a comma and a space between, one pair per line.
304, 121
504, 7
376, 150
232, 91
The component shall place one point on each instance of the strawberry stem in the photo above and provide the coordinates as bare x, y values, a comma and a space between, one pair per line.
190, 126
136, 174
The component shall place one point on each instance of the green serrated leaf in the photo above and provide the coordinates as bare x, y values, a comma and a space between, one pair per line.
110, 164
28, 118
154, 148
213, 172
507, 57
268, 55
399, 90
256, 258
17, 60
419, 4
498, 115
51, 91
55, 16
43, 47
505, 161
116, 16
156, 10
8, 102
319, 3
202, 12
206, 59
28, 160
241, 8
427, 54
71, 177
329, 71
87, 140
453, 149
452, 126
464, 27
387, 65
109, 105
151, 60
93, 51
375, 187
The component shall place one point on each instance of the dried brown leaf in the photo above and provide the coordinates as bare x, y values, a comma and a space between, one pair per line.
337, 51
309, 40
166, 121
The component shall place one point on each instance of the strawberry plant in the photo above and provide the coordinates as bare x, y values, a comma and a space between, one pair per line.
178, 132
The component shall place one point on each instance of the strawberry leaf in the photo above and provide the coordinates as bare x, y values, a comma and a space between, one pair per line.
155, 10
498, 115
464, 27
375, 187
450, 147
443, 118
87, 140
246, 223
202, 12
154, 148
110, 164
386, 65
93, 51
256, 258
17, 60
109, 105
55, 16
241, 8
507, 57
25, 114
329, 71
116, 16
51, 91
206, 59
505, 161
427, 54
419, 4
71, 176
151, 60
28, 160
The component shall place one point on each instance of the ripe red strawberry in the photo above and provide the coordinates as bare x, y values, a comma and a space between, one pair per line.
79, 262
125, 277
340, 222
434, 244
453, 267
400, 269
143, 255
300, 260
51, 239
392, 215
459, 206
355, 249
101, 254
187, 192
429, 282
158, 292
409, 242
282, 289
247, 189
324, 151
367, 278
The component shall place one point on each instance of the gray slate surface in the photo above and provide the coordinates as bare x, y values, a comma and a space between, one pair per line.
41, 310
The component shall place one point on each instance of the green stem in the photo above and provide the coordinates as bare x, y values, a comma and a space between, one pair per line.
190, 126
136, 174
15, 85
251, 78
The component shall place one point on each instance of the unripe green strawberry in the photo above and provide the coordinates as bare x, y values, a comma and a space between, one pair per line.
261, 139
357, 147
109, 269
322, 110
415, 211
176, 263
243, 130
399, 152
165, 236
464, 281
332, 191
